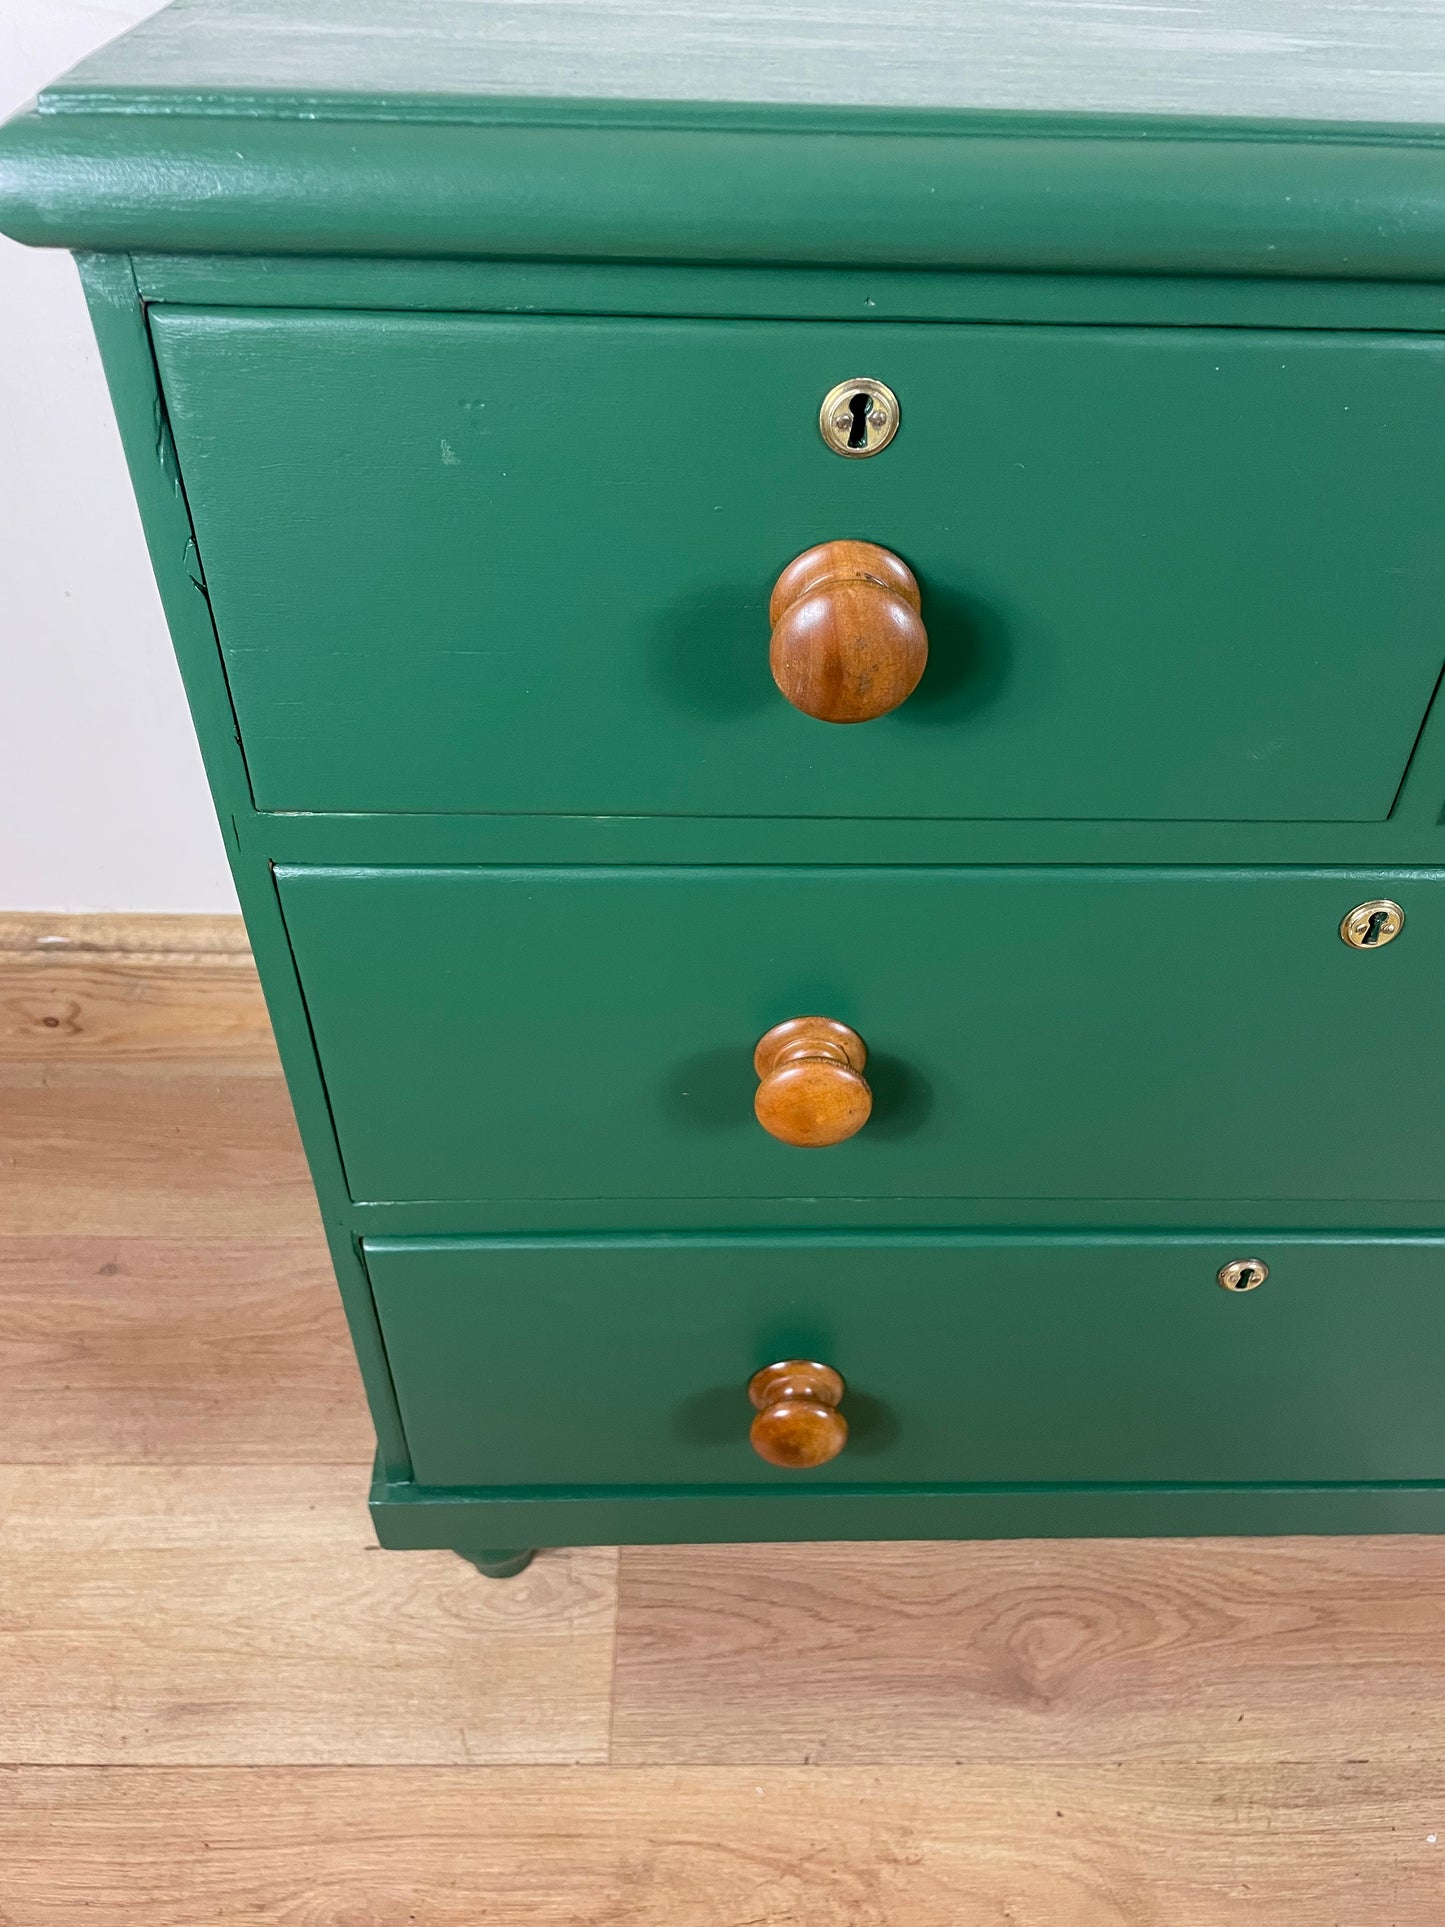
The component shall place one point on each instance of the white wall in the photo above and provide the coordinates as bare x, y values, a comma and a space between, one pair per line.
103, 805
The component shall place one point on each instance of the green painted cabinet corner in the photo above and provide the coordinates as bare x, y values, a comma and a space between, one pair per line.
941, 1039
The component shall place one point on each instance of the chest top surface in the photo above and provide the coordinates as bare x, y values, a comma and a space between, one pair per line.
1235, 137
1319, 60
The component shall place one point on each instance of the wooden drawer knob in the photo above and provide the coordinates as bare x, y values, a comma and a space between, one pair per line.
848, 641
798, 1422
812, 1088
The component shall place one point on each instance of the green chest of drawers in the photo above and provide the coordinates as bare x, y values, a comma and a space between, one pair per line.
481, 372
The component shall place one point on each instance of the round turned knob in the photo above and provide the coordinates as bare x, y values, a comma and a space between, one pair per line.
798, 1422
848, 641
812, 1088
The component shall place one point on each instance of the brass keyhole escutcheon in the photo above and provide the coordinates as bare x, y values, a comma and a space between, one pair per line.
1369, 926
1243, 1274
859, 417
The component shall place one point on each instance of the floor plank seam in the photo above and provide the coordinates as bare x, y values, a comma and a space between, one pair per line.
609, 1744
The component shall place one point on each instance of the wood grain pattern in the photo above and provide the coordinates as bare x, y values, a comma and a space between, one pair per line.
798, 1423
131, 989
145, 934
214, 1615
205, 1150
811, 1088
1322, 59
848, 643
1237, 1651
529, 1847
117, 1350
140, 1090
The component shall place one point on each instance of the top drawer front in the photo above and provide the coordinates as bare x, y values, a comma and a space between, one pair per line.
472, 564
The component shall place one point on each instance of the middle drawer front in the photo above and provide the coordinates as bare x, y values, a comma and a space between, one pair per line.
532, 1034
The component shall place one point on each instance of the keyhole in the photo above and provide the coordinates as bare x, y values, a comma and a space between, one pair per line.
1243, 1274
1377, 919
859, 416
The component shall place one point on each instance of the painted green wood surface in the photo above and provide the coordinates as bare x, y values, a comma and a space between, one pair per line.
119, 321
524, 566
503, 1216
794, 187
1037, 1033
1350, 60
856, 293
409, 1516
614, 1362
1217, 561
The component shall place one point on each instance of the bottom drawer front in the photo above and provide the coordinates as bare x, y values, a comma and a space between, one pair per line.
611, 1361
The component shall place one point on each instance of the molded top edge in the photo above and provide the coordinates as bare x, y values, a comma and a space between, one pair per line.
1019, 194
1232, 137
722, 116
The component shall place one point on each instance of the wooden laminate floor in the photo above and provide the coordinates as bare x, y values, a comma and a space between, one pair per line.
220, 1702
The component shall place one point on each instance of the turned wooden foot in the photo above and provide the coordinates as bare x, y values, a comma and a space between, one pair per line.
500, 1562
